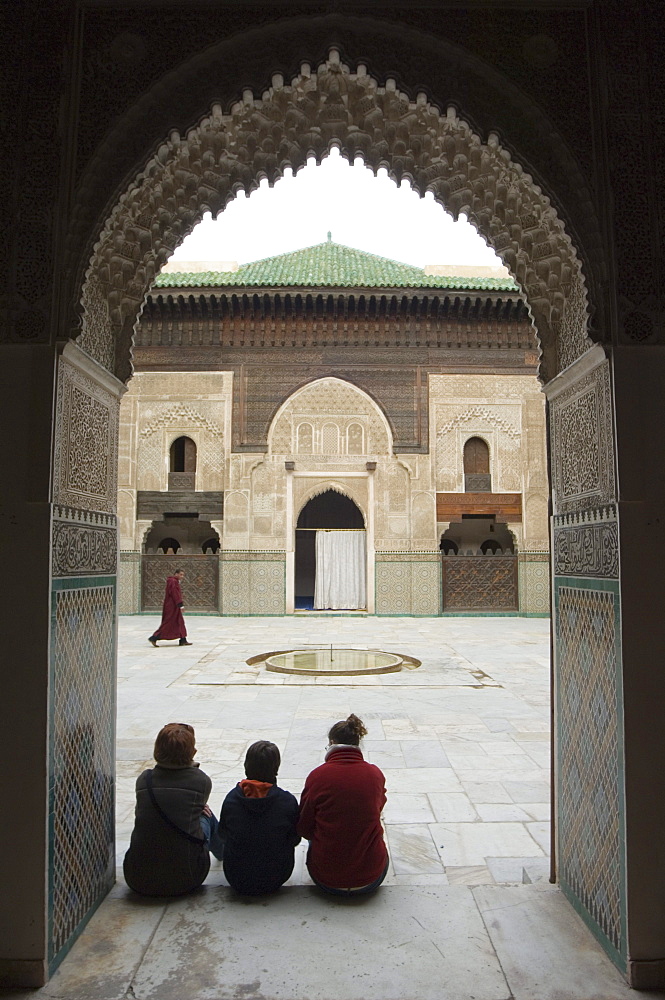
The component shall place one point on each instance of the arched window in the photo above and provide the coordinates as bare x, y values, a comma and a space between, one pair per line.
183, 455
449, 547
355, 444
477, 477
490, 547
330, 439
305, 444
210, 545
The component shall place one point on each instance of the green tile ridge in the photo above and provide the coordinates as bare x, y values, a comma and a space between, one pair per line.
328, 265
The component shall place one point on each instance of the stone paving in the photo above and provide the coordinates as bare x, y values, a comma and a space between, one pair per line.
463, 740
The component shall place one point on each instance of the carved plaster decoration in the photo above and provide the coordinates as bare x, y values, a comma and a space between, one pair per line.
228, 152
510, 467
85, 459
84, 543
410, 465
423, 517
304, 491
444, 388
587, 544
329, 406
181, 414
582, 443
497, 424
97, 336
481, 414
572, 338
536, 527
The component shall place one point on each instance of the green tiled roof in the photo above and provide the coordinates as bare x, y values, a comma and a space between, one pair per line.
328, 265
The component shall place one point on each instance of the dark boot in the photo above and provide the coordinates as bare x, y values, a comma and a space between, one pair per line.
153, 641
183, 642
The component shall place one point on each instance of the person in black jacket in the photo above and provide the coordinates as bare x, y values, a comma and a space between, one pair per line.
258, 825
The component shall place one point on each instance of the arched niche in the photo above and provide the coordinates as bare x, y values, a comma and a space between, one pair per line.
476, 462
326, 406
334, 104
182, 455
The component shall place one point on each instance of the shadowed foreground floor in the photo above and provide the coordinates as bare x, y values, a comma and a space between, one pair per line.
464, 743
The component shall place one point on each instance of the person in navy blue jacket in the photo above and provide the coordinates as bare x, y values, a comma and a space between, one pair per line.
258, 826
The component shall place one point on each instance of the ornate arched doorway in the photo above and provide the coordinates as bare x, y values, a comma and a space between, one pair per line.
198, 170
330, 555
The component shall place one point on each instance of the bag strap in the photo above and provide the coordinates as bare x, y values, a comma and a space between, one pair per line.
167, 820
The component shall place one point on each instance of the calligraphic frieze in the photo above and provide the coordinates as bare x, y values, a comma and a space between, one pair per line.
587, 544
84, 542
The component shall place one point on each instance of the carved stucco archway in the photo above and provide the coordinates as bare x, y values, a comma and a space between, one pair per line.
467, 172
329, 486
332, 106
346, 396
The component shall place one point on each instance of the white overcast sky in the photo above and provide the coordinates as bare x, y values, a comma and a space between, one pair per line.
360, 210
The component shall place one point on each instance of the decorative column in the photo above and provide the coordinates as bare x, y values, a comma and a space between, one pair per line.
587, 619
82, 686
290, 542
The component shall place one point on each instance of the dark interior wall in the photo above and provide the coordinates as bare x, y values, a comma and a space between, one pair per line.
330, 510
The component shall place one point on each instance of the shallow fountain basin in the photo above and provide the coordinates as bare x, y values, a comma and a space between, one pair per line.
327, 660
338, 661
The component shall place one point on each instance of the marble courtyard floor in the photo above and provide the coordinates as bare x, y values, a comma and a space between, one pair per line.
463, 740
467, 911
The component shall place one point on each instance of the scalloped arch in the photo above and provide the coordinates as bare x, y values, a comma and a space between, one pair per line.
479, 412
332, 106
335, 487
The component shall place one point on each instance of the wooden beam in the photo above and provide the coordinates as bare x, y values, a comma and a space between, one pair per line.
504, 506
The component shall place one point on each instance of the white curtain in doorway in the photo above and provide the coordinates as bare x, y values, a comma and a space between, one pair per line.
340, 570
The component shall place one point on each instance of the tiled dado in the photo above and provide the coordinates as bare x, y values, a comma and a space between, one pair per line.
408, 583
81, 754
253, 583
590, 762
534, 583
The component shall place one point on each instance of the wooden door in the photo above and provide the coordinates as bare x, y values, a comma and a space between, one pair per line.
477, 466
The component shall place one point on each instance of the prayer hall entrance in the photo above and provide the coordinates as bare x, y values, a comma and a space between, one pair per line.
124, 152
330, 555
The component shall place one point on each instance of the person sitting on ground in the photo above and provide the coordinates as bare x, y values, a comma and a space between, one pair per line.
258, 823
340, 815
174, 829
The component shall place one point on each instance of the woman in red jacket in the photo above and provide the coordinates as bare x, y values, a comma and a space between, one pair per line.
340, 815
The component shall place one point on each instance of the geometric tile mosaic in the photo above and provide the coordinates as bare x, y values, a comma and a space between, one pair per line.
82, 750
590, 824
405, 585
534, 583
253, 586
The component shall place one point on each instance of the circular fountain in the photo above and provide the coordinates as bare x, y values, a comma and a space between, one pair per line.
328, 660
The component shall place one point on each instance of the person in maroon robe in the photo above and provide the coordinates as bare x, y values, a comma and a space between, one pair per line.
173, 624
